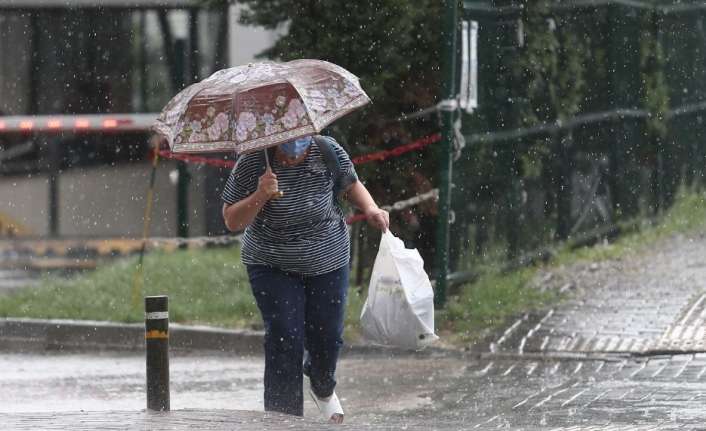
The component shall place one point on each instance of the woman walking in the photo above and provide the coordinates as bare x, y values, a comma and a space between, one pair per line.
296, 250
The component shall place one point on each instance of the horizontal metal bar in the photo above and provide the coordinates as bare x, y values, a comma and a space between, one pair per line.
77, 123
17, 151
486, 8
461, 277
20, 168
94, 4
579, 120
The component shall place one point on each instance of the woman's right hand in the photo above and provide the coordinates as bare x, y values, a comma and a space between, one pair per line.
267, 184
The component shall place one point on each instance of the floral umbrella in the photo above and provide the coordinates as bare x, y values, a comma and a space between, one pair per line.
258, 105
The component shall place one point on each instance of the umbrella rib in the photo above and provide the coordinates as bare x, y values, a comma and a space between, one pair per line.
198, 88
306, 108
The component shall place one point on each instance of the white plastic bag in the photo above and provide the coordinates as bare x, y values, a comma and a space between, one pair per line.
399, 310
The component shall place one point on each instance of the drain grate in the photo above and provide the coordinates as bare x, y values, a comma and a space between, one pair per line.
688, 333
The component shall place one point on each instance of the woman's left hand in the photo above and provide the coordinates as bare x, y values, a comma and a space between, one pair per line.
378, 218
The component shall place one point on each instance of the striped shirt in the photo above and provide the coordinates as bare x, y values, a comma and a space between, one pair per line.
304, 231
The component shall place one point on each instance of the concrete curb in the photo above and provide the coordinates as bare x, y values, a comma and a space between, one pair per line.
32, 335
88, 335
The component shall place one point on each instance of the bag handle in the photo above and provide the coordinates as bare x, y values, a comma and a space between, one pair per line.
391, 241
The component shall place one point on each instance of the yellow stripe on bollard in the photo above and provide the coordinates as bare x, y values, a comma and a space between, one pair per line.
155, 334
157, 352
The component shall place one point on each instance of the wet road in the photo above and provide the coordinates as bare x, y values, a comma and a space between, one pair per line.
77, 391
626, 352
100, 385
69, 382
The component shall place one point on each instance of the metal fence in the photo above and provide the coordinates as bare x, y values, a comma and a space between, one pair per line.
521, 184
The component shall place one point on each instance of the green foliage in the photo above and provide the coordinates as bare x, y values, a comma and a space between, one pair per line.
207, 287
211, 287
204, 287
550, 74
550, 66
686, 216
392, 45
655, 92
489, 303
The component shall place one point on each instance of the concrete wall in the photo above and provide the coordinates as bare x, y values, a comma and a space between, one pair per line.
101, 201
245, 41
24, 201
104, 201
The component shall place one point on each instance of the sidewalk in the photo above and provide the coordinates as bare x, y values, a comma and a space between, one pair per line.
63, 390
651, 304
177, 420
22, 335
38, 335
626, 353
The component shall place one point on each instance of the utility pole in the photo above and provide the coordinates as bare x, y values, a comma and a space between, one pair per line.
183, 171
448, 93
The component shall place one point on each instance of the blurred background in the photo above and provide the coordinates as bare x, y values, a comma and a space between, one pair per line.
570, 121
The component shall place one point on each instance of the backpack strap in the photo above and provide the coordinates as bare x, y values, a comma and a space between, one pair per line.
333, 165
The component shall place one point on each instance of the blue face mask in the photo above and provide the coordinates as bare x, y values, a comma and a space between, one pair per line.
296, 148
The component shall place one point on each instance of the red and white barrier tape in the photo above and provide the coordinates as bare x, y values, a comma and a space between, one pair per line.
366, 158
199, 160
378, 156
397, 151
400, 205
197, 241
225, 240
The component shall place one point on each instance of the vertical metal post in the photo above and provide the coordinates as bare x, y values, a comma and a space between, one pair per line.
562, 142
157, 346
34, 63
194, 59
448, 92
183, 177
622, 89
53, 156
142, 60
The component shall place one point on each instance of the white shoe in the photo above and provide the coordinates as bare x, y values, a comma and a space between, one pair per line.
330, 408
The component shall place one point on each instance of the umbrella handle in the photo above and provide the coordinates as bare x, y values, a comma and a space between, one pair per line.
278, 194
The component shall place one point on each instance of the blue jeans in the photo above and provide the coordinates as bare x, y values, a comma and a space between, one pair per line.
299, 312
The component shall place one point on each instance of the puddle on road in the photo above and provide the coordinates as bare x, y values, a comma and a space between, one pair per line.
74, 382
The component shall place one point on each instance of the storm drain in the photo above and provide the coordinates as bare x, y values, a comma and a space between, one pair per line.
611, 328
614, 428
688, 333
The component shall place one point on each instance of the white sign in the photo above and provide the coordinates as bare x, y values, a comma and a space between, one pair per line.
469, 66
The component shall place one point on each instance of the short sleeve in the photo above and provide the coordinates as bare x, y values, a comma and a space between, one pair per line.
242, 181
348, 173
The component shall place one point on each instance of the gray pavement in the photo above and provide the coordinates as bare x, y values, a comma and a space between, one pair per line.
626, 352
651, 304
89, 391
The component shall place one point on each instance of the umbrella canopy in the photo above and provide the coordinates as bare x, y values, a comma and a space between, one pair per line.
259, 105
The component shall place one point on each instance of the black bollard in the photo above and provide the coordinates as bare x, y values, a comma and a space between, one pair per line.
157, 344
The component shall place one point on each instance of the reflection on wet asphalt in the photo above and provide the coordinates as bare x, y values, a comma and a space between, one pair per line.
625, 353
69, 382
368, 385
423, 392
